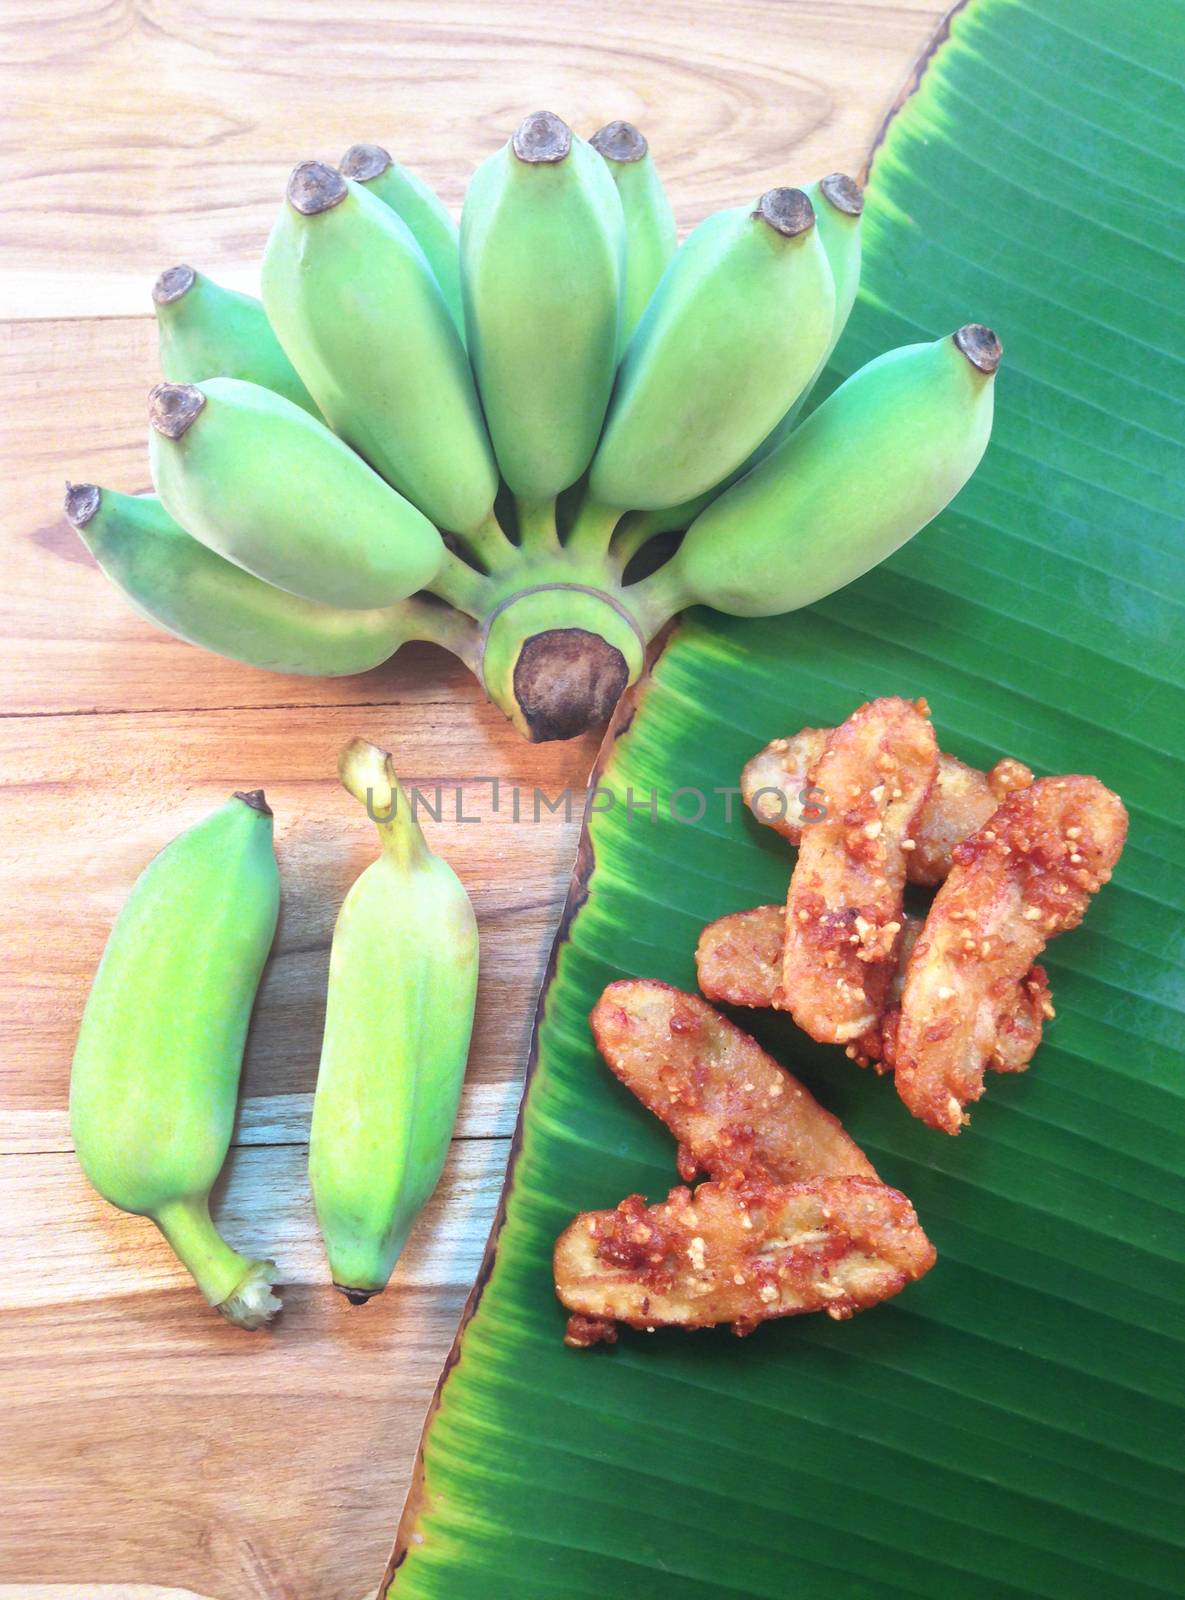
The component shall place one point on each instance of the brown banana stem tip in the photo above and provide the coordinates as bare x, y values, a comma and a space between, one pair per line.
980, 345
314, 188
255, 798
542, 138
619, 141
567, 680
82, 503
844, 193
362, 162
172, 284
173, 408
356, 1297
787, 211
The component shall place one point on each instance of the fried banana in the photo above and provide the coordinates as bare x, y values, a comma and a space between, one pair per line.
741, 1252
779, 787
1024, 877
731, 1107
844, 910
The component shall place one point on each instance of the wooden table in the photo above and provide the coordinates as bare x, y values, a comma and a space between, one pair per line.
147, 1448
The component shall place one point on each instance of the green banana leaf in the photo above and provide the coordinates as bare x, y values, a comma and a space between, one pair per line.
1012, 1425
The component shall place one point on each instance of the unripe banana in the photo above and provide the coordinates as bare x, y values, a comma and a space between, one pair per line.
259, 481
207, 331
402, 986
156, 1069
871, 467
839, 202
542, 253
206, 600
651, 236
421, 208
733, 332
354, 302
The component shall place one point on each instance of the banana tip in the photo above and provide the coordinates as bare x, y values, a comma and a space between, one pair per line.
787, 211
256, 799
980, 345
173, 284
843, 193
313, 188
174, 407
542, 139
356, 1297
82, 503
362, 162
619, 141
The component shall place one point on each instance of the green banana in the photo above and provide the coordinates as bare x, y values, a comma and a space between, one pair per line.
355, 305
871, 467
420, 207
651, 236
733, 332
207, 331
542, 253
156, 1069
206, 600
838, 202
258, 480
402, 986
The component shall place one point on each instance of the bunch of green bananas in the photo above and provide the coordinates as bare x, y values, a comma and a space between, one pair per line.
156, 1069
467, 438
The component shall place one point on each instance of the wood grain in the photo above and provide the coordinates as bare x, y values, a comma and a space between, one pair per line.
146, 1449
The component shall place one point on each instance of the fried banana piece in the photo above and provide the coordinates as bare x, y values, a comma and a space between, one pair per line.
731, 1107
844, 910
779, 787
1020, 1013
742, 1252
738, 959
1022, 879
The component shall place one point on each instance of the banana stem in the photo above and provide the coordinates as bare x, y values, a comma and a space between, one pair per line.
461, 586
437, 623
658, 597
489, 545
592, 531
537, 529
235, 1284
368, 773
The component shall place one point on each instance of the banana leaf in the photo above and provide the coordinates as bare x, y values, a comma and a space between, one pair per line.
1013, 1424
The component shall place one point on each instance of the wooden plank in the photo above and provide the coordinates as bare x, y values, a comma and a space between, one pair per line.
148, 1451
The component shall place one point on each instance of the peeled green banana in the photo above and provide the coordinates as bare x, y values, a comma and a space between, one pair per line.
734, 330
402, 986
357, 308
259, 481
420, 207
542, 253
872, 466
206, 600
651, 236
156, 1069
206, 331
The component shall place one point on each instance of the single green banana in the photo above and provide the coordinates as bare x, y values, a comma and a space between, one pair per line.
731, 335
871, 467
259, 481
402, 986
200, 597
421, 208
542, 258
838, 202
651, 235
156, 1069
207, 331
357, 308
